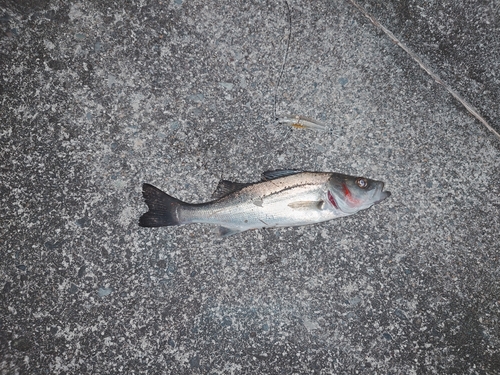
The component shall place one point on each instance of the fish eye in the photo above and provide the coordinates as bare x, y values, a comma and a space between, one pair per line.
362, 183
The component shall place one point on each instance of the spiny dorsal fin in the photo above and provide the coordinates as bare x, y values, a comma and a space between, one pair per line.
272, 175
226, 187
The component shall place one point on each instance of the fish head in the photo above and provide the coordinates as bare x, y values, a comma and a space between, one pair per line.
351, 194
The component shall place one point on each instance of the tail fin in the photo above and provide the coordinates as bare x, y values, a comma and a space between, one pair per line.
163, 209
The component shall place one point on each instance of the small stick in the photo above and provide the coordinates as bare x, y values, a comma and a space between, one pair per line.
434, 76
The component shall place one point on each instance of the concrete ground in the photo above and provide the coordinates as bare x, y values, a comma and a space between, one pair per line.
98, 97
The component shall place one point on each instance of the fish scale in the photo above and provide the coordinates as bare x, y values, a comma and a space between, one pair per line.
271, 210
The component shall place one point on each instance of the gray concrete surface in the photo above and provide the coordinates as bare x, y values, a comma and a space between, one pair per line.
99, 97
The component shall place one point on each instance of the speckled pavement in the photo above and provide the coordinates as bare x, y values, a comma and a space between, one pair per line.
97, 98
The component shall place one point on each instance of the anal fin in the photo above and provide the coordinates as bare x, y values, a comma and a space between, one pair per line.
226, 232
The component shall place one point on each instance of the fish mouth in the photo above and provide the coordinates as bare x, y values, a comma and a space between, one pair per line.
382, 195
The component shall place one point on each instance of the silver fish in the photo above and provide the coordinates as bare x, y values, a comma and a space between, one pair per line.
283, 198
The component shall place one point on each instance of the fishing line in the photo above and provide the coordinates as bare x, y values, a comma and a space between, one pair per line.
289, 16
292, 120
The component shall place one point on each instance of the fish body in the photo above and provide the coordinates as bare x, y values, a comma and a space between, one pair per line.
282, 198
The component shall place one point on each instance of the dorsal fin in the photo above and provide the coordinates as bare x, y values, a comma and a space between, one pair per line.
226, 187
272, 175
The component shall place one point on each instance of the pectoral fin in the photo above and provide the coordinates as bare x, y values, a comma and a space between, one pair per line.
307, 205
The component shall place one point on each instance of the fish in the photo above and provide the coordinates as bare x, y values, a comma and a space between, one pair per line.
301, 122
283, 198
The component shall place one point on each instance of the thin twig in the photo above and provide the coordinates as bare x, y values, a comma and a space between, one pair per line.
434, 76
